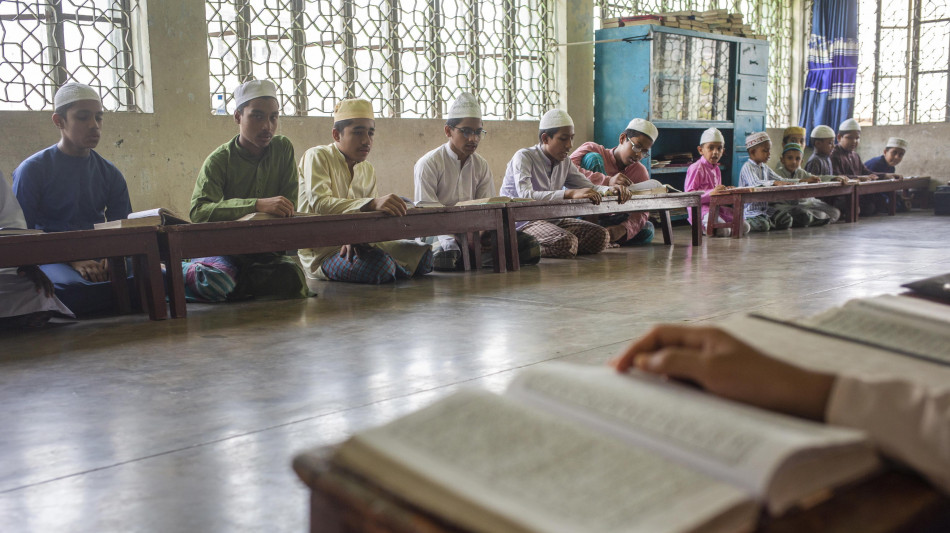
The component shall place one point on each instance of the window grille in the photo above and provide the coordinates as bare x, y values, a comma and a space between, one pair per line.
772, 18
411, 58
47, 43
903, 62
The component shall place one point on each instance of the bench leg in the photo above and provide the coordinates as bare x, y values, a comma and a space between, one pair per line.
119, 275
511, 242
464, 241
176, 281
711, 221
499, 256
892, 204
148, 277
667, 226
738, 217
697, 225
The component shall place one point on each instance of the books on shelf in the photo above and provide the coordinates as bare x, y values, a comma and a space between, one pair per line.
159, 216
713, 20
620, 22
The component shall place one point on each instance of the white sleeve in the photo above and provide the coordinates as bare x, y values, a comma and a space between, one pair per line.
520, 170
485, 187
906, 421
426, 178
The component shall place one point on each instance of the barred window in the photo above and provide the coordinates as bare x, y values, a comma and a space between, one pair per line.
411, 58
47, 43
904, 62
772, 18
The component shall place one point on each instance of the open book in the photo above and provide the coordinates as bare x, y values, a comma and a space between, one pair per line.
267, 216
159, 216
576, 448
901, 324
494, 200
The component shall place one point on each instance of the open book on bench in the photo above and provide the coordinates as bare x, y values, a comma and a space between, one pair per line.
159, 216
576, 448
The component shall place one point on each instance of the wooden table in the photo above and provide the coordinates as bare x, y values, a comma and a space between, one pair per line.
542, 210
890, 187
275, 235
343, 502
140, 243
738, 197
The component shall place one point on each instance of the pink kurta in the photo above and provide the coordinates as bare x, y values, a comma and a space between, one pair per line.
704, 176
636, 173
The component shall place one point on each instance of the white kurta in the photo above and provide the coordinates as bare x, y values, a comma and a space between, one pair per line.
531, 174
18, 294
326, 187
906, 421
441, 178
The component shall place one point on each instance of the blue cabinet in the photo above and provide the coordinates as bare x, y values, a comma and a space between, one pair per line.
683, 81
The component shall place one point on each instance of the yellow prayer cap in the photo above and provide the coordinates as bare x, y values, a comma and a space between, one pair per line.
794, 130
352, 108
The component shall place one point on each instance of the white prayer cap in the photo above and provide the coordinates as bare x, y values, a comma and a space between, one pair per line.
757, 138
353, 108
250, 90
645, 127
465, 106
896, 142
555, 118
712, 135
74, 92
849, 125
822, 132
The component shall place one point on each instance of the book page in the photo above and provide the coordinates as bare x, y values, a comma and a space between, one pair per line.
738, 444
535, 472
149, 213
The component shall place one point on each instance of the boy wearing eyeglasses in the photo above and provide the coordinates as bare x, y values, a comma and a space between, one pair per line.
621, 166
454, 173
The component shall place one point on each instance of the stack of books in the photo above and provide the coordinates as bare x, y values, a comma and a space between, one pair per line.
712, 21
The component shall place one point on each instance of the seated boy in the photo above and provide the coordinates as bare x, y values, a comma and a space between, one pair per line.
454, 173
621, 166
894, 152
823, 141
337, 179
26, 295
756, 173
790, 169
704, 175
791, 135
846, 162
253, 172
69, 186
544, 172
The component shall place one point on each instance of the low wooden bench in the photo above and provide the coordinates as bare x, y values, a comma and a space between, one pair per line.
516, 212
890, 187
738, 197
275, 235
140, 243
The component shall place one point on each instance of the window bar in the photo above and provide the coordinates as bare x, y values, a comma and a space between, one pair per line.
435, 59
128, 72
474, 50
242, 29
511, 27
395, 49
877, 67
349, 48
914, 45
299, 40
947, 108
57, 42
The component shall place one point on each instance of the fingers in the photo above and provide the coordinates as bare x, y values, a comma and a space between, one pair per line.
664, 336
682, 363
594, 197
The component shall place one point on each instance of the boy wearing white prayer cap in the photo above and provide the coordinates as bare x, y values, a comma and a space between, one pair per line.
823, 140
845, 161
335, 179
544, 172
69, 186
254, 172
454, 173
621, 166
894, 151
704, 175
756, 173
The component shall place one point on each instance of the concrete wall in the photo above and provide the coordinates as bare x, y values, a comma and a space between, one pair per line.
160, 153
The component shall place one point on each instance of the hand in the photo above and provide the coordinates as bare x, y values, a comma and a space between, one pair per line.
352, 251
277, 206
38, 278
719, 188
389, 204
842, 179
895, 176
727, 367
617, 232
782, 183
623, 193
577, 194
96, 271
813, 179
620, 180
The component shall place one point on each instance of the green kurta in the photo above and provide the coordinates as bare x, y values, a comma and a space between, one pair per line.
229, 184
231, 180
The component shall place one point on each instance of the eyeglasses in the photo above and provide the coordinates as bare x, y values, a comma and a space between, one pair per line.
469, 132
637, 148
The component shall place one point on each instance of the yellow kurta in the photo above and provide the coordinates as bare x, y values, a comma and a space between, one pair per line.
327, 188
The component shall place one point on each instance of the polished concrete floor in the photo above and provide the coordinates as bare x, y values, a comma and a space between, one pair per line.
190, 425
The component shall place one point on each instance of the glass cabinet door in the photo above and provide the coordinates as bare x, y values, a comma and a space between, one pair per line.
691, 78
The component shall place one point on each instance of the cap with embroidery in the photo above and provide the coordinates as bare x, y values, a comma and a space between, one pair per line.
756, 138
74, 92
712, 135
250, 90
555, 118
353, 108
896, 142
822, 132
849, 125
465, 106
645, 127
793, 130
792, 147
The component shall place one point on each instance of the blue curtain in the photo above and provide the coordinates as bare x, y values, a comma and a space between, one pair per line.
832, 64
